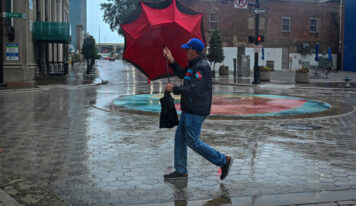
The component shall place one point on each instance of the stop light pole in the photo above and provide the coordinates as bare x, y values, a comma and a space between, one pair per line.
256, 70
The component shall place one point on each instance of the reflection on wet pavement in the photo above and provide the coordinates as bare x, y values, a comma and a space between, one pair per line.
92, 157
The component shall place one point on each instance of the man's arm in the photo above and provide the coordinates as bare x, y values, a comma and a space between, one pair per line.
197, 83
178, 70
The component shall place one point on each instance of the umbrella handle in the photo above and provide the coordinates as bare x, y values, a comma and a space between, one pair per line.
169, 81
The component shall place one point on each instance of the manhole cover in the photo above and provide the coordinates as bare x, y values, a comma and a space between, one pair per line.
300, 126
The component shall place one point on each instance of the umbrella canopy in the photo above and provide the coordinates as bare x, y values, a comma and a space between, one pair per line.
330, 58
151, 27
317, 52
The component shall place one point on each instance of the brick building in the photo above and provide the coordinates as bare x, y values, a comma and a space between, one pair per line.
291, 29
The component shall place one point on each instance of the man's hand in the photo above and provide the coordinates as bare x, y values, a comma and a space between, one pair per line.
169, 87
167, 54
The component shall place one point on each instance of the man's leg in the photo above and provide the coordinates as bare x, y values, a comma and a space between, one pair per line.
180, 148
192, 128
180, 153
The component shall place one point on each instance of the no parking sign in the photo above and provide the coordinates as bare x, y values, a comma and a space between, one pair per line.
240, 4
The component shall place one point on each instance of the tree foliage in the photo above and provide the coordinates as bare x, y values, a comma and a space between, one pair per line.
216, 53
117, 11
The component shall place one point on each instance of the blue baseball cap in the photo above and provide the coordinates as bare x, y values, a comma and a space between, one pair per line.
195, 44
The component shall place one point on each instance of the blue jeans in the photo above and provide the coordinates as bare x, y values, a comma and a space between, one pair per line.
187, 134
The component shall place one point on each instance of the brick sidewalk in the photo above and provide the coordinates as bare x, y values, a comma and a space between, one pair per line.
86, 156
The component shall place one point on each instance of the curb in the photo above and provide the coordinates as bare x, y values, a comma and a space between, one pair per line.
97, 82
294, 87
39, 89
36, 89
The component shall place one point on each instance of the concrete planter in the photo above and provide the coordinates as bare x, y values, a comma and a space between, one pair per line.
224, 70
265, 76
301, 77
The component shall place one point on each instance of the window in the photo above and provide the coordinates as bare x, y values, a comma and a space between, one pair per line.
285, 24
313, 25
213, 21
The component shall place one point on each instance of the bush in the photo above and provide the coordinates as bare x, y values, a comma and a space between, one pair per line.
265, 69
302, 70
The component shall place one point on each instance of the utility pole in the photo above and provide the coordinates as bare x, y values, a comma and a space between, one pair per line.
256, 72
1, 49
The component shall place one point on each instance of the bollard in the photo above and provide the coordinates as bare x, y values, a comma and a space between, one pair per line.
347, 81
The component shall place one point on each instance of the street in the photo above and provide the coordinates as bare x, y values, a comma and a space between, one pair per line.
72, 141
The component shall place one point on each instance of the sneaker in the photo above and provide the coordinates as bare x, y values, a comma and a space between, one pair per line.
225, 170
175, 175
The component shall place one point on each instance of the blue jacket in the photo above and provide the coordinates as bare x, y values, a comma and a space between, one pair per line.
196, 92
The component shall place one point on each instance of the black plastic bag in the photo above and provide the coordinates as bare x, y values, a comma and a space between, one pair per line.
168, 117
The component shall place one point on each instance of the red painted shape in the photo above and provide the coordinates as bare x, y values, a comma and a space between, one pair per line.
253, 105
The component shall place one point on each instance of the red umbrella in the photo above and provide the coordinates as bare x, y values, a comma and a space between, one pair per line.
151, 27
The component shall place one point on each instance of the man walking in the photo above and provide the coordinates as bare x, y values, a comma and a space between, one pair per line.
196, 99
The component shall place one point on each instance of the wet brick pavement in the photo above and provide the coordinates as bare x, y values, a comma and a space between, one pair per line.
89, 156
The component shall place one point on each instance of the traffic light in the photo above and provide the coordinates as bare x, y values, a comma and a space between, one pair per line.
260, 39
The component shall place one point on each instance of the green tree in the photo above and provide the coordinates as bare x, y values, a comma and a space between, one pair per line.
89, 51
216, 53
117, 11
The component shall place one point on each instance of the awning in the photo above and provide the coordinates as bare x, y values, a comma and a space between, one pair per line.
53, 32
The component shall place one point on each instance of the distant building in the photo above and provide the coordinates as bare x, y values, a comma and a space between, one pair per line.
291, 30
38, 44
78, 21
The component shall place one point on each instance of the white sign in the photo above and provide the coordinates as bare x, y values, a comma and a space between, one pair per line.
12, 52
259, 11
257, 48
241, 4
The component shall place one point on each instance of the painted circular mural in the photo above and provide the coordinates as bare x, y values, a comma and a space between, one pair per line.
234, 104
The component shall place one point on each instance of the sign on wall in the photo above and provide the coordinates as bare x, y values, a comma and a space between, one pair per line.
240, 4
12, 52
14, 15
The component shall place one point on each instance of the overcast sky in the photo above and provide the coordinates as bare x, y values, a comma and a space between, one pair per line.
95, 19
